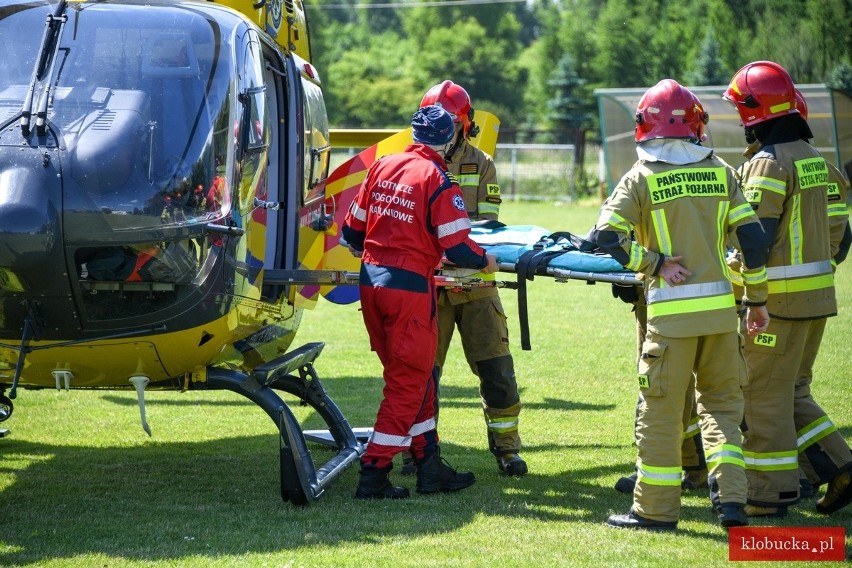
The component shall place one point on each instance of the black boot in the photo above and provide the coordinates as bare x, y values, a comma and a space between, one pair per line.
731, 515
626, 484
374, 484
435, 474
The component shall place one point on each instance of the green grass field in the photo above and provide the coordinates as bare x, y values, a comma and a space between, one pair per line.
82, 485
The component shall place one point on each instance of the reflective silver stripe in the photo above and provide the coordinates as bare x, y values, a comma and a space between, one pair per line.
773, 461
357, 212
422, 427
692, 429
453, 227
382, 439
798, 270
690, 291
810, 435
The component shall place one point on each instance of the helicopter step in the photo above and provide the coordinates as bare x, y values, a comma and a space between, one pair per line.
294, 373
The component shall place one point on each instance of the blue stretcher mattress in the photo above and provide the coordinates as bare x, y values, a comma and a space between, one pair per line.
510, 242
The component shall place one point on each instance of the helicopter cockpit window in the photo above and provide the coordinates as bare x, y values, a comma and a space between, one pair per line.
253, 94
140, 103
317, 146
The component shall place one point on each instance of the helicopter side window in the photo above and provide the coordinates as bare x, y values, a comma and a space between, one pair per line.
317, 147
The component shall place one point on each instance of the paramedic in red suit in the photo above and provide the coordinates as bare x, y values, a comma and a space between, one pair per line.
409, 212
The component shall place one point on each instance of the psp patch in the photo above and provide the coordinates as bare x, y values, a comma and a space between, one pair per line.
458, 202
644, 381
766, 339
492, 189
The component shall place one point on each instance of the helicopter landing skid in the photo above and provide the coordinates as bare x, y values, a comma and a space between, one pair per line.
301, 481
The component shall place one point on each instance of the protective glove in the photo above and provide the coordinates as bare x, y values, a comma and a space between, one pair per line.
629, 294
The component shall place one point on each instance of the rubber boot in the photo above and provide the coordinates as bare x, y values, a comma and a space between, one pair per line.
374, 484
434, 474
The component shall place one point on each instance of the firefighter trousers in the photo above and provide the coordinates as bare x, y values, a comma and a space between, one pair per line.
692, 450
481, 322
665, 371
785, 429
823, 451
403, 333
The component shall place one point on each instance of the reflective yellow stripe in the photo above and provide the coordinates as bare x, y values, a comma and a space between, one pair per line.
801, 284
814, 432
721, 218
693, 428
771, 461
796, 236
780, 106
837, 209
741, 212
487, 208
616, 221
661, 230
727, 453
767, 183
502, 425
691, 306
753, 277
684, 291
468, 179
637, 255
655, 475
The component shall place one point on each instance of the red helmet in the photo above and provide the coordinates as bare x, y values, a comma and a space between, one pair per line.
760, 91
801, 104
456, 101
670, 110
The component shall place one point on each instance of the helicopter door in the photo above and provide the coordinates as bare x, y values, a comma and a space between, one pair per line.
275, 92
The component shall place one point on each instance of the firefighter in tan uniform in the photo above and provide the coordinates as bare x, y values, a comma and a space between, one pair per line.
692, 450
787, 181
682, 204
478, 313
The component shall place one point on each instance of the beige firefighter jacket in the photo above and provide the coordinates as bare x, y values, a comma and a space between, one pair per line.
689, 211
789, 182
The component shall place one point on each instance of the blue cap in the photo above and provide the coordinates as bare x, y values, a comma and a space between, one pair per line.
432, 125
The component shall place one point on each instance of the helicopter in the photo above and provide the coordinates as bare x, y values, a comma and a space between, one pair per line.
162, 208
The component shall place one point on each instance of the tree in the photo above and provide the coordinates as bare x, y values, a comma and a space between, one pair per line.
840, 78
568, 107
709, 69
622, 58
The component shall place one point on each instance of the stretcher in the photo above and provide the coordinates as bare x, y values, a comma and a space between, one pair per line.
529, 251
526, 251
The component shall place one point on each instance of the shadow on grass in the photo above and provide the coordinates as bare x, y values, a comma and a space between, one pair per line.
175, 501
164, 502
455, 396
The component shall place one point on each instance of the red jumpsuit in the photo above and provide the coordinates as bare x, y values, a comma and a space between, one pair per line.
408, 213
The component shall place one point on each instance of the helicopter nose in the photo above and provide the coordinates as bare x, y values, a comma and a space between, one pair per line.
32, 265
24, 201
29, 216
